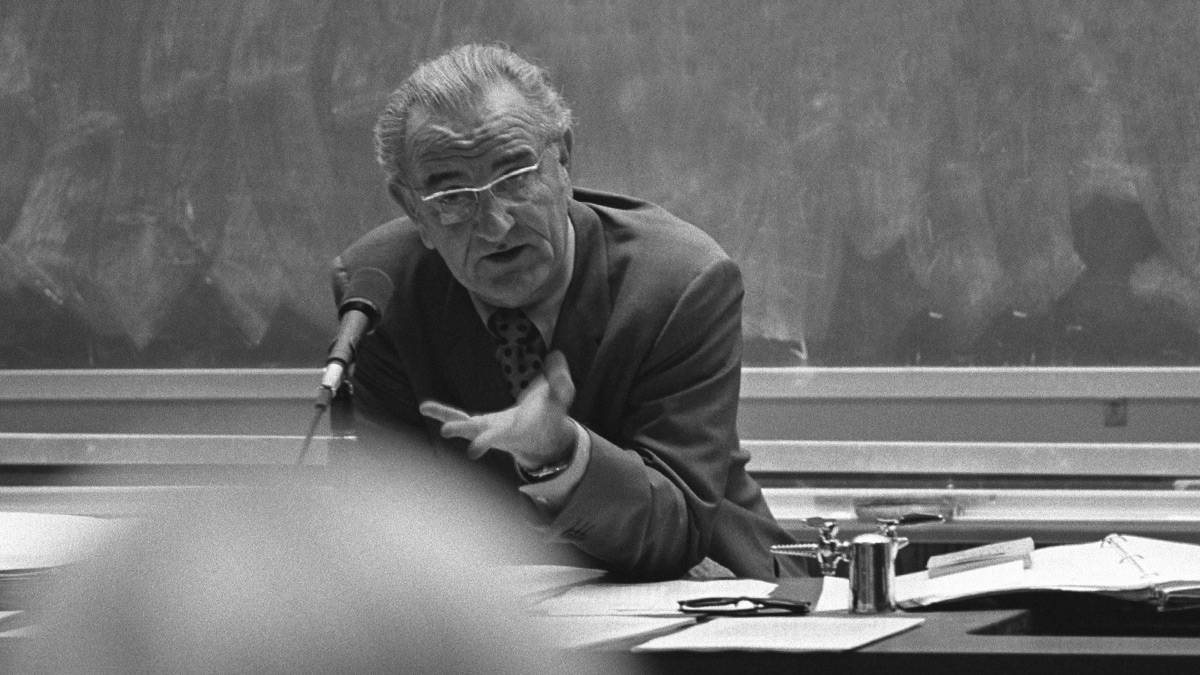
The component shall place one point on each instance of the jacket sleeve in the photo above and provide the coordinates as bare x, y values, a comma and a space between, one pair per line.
646, 505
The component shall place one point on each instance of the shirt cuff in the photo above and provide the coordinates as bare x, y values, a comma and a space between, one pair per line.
553, 493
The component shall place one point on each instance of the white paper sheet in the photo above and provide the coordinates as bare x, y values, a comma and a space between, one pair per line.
576, 632
781, 634
535, 582
646, 599
835, 595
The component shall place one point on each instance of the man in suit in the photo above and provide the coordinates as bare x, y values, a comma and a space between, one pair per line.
616, 421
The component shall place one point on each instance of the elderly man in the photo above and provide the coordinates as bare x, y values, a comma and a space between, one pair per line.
582, 347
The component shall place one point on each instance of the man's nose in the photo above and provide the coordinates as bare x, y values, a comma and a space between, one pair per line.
494, 219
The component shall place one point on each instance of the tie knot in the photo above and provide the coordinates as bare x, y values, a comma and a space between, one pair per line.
511, 325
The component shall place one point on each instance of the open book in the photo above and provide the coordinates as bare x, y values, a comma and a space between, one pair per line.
1164, 573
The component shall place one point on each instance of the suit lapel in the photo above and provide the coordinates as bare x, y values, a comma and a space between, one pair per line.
586, 307
471, 367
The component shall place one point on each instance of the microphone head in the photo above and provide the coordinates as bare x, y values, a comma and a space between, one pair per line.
368, 289
362, 274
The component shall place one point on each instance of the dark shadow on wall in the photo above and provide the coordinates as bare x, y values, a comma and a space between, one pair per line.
1103, 319
200, 333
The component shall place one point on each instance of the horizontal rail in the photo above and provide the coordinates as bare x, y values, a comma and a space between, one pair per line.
970, 383
790, 457
757, 383
89, 449
1176, 460
1048, 516
177, 384
110, 501
987, 514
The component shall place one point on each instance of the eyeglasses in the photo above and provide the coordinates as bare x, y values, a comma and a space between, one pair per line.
743, 606
461, 204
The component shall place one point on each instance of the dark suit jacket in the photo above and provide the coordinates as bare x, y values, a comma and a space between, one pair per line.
651, 329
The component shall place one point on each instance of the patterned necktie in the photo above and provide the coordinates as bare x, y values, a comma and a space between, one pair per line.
519, 347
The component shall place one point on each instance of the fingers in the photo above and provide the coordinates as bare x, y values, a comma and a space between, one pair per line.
458, 424
520, 430
467, 429
442, 412
455, 423
481, 443
478, 430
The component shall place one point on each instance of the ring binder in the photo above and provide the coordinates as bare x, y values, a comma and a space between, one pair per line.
1165, 574
1117, 541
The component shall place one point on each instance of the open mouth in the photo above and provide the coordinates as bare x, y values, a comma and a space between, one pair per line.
505, 256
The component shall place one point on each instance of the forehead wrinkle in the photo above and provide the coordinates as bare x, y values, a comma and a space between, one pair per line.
441, 150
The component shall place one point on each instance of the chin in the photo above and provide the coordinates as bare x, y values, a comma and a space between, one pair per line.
515, 289
514, 295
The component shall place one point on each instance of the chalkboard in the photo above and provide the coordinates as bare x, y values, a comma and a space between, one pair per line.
937, 182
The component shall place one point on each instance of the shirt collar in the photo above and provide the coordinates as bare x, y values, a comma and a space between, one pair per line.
544, 314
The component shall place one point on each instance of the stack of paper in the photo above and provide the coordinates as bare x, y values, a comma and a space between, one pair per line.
579, 608
782, 634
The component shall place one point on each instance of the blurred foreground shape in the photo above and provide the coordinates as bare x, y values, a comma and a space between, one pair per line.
369, 578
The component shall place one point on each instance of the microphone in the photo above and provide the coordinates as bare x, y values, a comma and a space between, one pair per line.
364, 298
362, 289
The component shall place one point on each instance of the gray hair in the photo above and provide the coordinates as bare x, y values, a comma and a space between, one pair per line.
455, 81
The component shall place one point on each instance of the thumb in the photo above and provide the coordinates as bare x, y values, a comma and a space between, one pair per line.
558, 375
477, 448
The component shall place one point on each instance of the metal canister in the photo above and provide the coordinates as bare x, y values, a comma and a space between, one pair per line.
872, 574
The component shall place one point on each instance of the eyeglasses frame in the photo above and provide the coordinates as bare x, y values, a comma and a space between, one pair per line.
483, 188
714, 606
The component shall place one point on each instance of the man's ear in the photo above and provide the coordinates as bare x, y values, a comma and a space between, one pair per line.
565, 145
400, 197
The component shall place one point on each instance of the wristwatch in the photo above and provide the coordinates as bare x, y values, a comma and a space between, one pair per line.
545, 472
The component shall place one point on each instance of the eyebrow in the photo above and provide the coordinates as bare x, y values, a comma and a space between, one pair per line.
518, 159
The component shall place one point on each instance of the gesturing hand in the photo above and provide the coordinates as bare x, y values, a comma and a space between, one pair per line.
536, 431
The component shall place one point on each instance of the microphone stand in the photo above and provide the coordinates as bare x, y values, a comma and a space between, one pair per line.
366, 292
355, 321
341, 416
